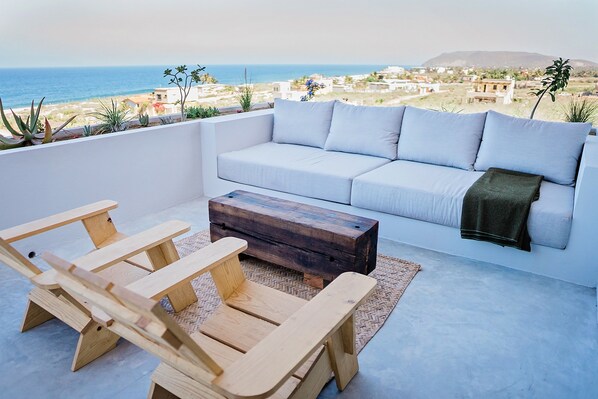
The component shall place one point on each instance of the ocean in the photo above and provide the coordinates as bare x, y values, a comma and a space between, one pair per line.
18, 86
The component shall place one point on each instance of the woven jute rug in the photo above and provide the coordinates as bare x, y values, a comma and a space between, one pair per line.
393, 276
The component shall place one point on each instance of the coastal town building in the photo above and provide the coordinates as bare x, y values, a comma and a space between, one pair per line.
171, 95
393, 70
139, 104
283, 91
343, 88
492, 90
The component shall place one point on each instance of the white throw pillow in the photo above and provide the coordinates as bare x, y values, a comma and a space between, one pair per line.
550, 149
302, 122
365, 130
441, 138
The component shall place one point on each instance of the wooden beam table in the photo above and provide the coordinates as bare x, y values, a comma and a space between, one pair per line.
318, 242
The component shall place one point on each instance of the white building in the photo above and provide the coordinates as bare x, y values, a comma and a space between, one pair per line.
425, 88
492, 90
343, 88
171, 95
283, 91
393, 70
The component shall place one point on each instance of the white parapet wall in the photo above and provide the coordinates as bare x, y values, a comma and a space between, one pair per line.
144, 170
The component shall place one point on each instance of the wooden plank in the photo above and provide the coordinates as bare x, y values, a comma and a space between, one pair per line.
13, 259
157, 284
343, 361
242, 332
264, 302
271, 227
34, 316
312, 219
94, 341
314, 281
182, 294
300, 259
126, 248
309, 239
51, 222
318, 376
180, 385
263, 369
235, 328
122, 273
99, 227
185, 387
287, 238
61, 308
141, 260
228, 276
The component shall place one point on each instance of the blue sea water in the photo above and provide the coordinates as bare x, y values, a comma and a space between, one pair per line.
18, 86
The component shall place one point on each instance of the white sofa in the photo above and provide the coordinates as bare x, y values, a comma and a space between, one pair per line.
410, 169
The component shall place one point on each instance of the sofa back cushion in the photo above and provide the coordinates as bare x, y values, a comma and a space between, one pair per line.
365, 130
302, 122
550, 149
441, 138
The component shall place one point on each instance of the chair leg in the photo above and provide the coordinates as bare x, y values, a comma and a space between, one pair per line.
94, 341
157, 392
34, 316
343, 356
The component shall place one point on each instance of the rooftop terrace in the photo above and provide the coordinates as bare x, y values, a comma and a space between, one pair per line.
463, 328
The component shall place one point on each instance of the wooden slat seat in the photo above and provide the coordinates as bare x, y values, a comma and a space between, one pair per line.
264, 302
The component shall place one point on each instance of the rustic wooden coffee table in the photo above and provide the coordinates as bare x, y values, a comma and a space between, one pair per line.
318, 242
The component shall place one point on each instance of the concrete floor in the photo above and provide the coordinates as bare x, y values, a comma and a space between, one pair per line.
463, 329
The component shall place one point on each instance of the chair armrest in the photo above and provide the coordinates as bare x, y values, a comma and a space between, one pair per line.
127, 247
265, 367
160, 282
60, 219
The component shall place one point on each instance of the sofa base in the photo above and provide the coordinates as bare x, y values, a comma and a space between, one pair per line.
573, 264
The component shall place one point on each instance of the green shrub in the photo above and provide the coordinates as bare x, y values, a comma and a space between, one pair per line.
581, 110
201, 112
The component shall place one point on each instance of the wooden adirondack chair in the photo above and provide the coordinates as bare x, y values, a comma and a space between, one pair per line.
48, 300
259, 343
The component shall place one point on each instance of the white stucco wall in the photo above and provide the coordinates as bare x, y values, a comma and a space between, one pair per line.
145, 170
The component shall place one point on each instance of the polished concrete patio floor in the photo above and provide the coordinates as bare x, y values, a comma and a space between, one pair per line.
463, 329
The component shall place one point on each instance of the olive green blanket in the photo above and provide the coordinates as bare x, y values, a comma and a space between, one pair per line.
497, 205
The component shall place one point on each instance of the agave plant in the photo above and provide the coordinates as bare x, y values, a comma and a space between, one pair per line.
112, 117
88, 131
28, 131
144, 120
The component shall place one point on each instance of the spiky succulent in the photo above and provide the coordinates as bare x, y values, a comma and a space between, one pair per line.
27, 132
144, 120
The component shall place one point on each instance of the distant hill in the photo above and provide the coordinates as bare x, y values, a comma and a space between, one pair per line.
499, 59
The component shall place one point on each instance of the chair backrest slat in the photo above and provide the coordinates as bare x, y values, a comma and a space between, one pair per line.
144, 318
13, 259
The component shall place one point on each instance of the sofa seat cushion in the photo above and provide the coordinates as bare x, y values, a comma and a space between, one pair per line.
550, 149
302, 122
435, 194
365, 130
415, 190
550, 217
308, 171
441, 138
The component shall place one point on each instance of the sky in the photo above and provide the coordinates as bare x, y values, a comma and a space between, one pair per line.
36, 33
